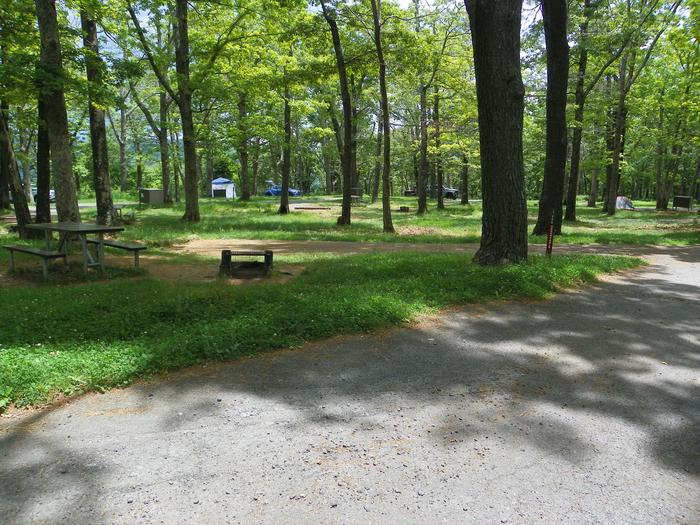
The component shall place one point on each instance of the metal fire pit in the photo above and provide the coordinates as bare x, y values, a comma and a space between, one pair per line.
232, 268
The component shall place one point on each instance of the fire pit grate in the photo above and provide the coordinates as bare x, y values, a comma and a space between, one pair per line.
231, 268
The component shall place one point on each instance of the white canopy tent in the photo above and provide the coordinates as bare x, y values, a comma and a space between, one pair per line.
222, 187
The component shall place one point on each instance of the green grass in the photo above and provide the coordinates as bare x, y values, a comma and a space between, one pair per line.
258, 219
76, 338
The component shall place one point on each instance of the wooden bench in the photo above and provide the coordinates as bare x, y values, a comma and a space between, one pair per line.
128, 246
46, 256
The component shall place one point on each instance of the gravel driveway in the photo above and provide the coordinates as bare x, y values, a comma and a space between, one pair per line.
582, 409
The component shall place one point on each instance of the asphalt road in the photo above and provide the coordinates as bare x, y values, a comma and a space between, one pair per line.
582, 409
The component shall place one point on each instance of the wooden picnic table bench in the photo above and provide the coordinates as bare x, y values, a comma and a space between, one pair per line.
80, 230
128, 246
46, 256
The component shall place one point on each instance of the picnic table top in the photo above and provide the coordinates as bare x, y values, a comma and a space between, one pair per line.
74, 227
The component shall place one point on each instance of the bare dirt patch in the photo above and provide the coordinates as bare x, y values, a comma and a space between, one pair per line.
213, 247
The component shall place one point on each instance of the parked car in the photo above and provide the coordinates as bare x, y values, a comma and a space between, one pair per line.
276, 190
448, 193
52, 195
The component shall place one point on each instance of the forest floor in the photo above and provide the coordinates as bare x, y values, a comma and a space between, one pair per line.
580, 409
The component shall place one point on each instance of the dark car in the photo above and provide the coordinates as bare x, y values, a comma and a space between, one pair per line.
276, 190
448, 193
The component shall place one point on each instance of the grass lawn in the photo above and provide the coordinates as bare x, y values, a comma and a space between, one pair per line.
91, 336
257, 219
456, 224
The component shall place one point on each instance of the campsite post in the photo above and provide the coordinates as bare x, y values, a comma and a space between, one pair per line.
550, 237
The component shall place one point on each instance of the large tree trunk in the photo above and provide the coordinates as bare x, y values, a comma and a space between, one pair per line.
243, 147
422, 181
550, 209
19, 199
43, 165
286, 154
98, 130
184, 102
580, 99
464, 180
51, 70
438, 156
388, 225
346, 157
495, 28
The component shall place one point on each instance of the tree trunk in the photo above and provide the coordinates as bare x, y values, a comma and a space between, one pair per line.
210, 164
184, 102
594, 189
98, 130
327, 169
346, 157
43, 164
243, 147
177, 167
695, 192
618, 133
609, 133
164, 149
27, 178
438, 156
388, 225
422, 181
19, 200
286, 154
123, 175
495, 29
377, 160
139, 163
355, 97
5, 201
464, 180
550, 209
51, 71
661, 186
256, 165
580, 99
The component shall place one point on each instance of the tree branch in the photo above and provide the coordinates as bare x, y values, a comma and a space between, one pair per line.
149, 53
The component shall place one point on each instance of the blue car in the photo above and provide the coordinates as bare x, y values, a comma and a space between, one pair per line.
276, 190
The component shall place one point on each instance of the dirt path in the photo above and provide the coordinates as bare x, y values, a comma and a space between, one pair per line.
213, 247
582, 409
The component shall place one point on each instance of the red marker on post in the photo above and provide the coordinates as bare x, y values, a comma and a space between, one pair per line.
550, 237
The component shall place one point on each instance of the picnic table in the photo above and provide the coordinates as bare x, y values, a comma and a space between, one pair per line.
81, 230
